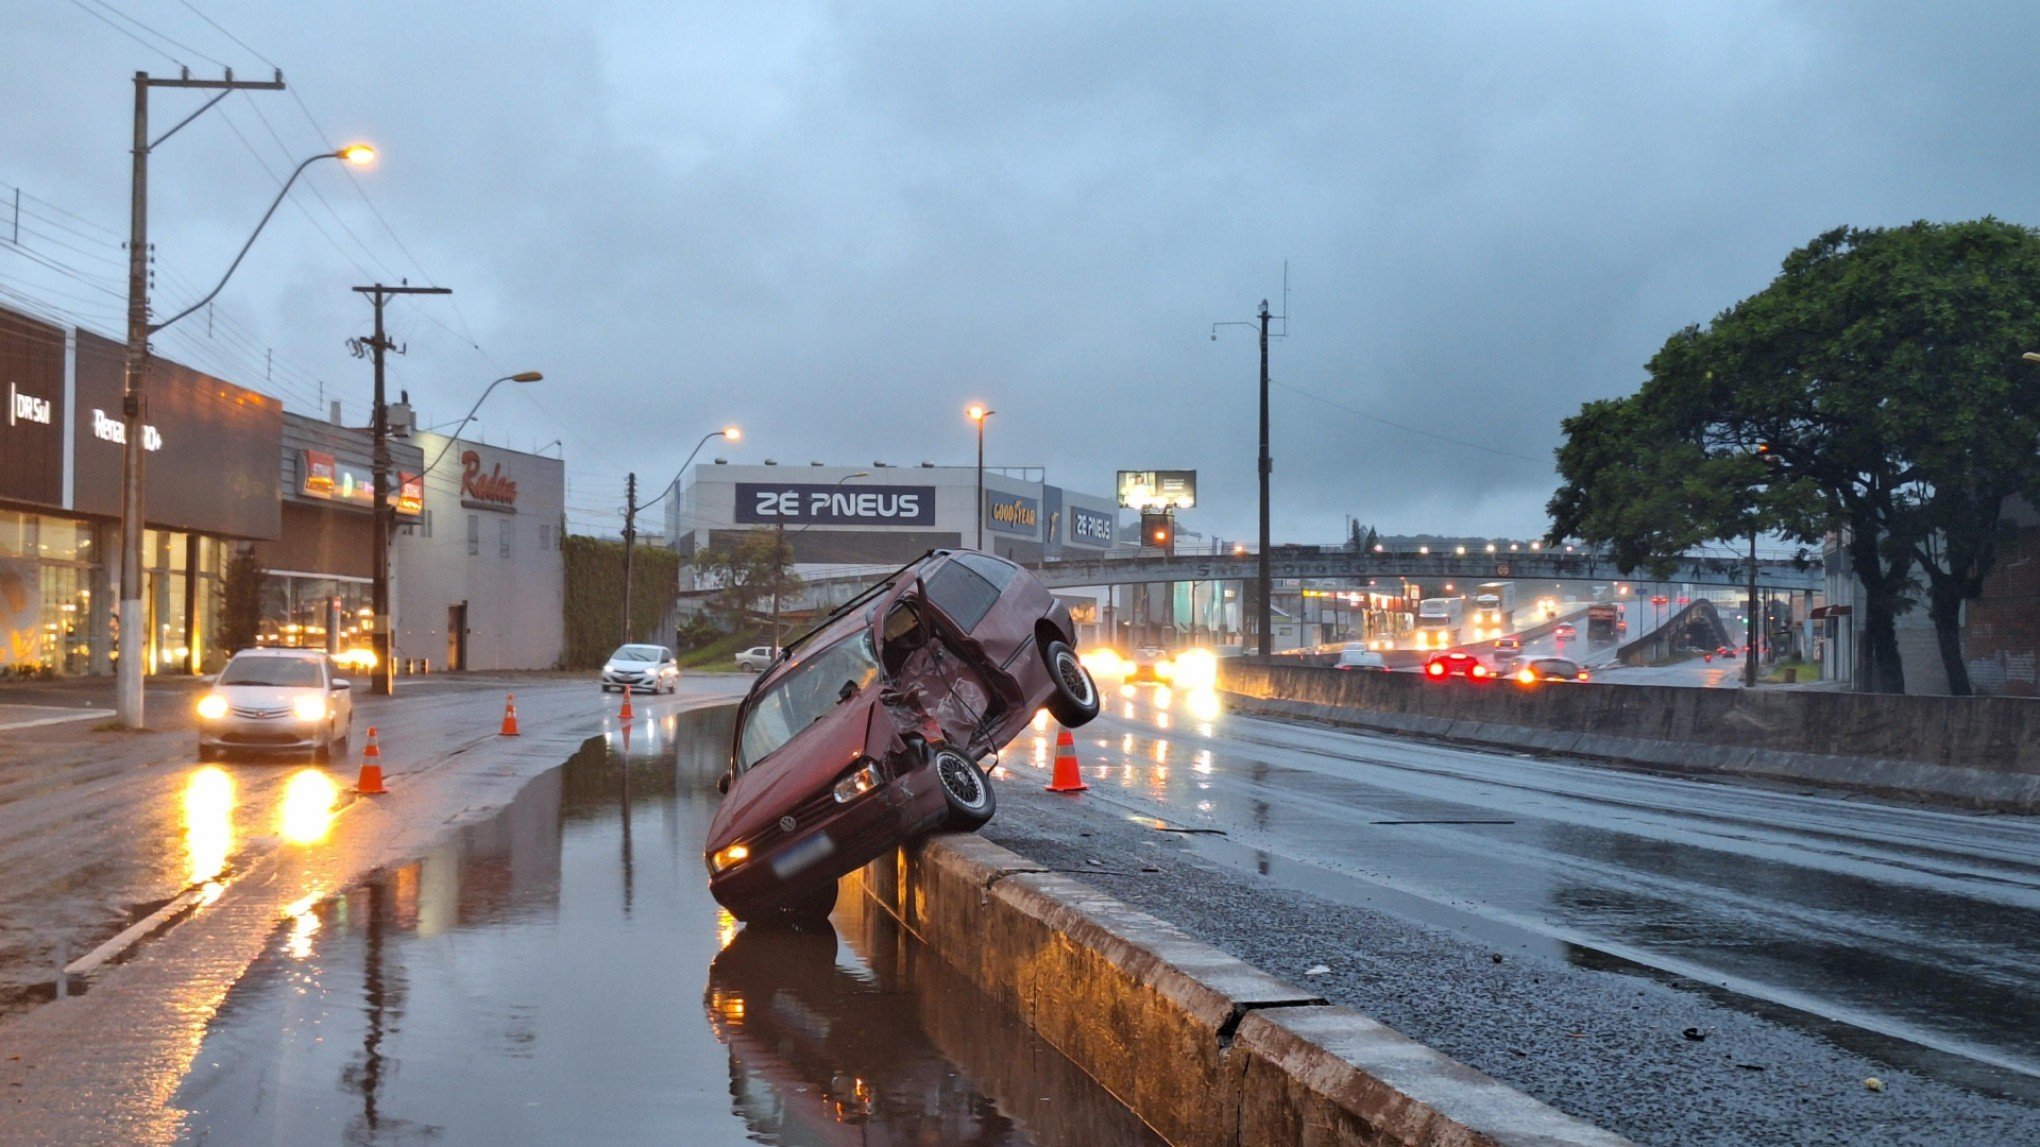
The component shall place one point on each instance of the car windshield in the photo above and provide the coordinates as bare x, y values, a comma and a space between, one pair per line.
802, 697
287, 672
636, 653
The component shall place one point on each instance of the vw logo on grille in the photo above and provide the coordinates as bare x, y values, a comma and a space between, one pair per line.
786, 824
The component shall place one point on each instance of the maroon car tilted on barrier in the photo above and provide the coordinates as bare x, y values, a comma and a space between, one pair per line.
866, 731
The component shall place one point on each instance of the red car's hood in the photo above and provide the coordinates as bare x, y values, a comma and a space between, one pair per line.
802, 769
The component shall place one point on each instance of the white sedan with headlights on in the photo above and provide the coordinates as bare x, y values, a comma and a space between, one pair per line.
641, 669
277, 700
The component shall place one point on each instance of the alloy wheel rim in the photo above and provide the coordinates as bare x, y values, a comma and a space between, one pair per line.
1075, 681
960, 778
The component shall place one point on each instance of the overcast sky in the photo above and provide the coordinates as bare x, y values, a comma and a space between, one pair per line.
837, 224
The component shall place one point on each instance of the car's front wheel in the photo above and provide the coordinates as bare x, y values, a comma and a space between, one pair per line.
1075, 700
965, 788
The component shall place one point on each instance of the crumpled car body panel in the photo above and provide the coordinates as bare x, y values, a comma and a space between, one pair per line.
960, 665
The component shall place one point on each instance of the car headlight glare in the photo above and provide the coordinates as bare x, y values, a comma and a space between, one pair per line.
212, 707
858, 781
729, 857
308, 708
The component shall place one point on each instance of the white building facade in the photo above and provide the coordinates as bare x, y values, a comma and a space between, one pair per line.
480, 580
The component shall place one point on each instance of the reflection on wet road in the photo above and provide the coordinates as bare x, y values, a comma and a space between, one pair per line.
1908, 923
540, 978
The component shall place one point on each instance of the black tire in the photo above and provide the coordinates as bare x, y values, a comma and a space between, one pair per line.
965, 788
1075, 700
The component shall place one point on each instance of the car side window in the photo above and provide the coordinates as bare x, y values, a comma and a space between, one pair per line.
961, 593
999, 573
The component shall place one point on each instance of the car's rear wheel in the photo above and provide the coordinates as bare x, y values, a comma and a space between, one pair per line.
965, 788
1075, 700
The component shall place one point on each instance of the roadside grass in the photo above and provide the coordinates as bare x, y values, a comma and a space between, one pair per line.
720, 653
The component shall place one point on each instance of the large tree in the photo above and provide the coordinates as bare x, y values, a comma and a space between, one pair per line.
746, 567
1878, 379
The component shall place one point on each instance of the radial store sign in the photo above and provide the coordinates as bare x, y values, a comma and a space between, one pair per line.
491, 489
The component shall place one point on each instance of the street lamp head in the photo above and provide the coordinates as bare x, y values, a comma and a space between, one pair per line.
979, 413
358, 154
732, 433
2031, 356
527, 376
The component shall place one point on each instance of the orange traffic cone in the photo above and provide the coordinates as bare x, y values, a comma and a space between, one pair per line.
1067, 778
509, 716
370, 783
624, 714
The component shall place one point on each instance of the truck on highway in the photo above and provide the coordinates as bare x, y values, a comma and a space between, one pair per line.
1438, 622
1601, 623
1494, 609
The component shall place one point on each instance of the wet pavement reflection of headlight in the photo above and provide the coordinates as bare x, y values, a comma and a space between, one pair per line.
208, 822
308, 807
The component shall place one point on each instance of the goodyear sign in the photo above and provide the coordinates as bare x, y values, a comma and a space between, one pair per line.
1014, 514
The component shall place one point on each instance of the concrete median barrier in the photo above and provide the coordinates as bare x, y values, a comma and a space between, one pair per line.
1974, 752
1206, 1049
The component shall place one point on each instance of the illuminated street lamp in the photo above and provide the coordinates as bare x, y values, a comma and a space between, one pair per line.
978, 414
134, 406
522, 376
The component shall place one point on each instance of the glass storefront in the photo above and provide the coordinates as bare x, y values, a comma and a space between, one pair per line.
181, 600
47, 570
311, 612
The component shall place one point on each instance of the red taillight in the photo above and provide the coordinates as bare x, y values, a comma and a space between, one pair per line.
1477, 671
1435, 669
1583, 675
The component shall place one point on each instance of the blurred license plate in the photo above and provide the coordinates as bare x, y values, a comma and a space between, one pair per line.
803, 855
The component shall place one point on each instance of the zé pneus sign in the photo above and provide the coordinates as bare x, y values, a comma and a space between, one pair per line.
802, 504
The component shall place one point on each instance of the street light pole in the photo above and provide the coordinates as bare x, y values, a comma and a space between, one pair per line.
978, 414
631, 509
382, 638
1267, 467
1750, 621
134, 404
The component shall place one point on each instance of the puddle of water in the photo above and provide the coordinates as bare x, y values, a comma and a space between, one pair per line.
560, 974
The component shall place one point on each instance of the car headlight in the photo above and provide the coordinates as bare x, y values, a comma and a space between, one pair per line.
212, 707
725, 858
609, 667
859, 781
308, 708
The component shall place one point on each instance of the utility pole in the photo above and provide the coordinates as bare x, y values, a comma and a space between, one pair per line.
629, 546
779, 557
1266, 608
1749, 677
383, 639
134, 404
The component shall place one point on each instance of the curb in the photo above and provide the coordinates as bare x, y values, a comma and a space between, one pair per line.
1206, 1049
1946, 785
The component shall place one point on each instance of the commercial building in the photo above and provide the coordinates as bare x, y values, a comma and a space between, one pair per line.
841, 519
480, 576
476, 566
320, 581
210, 451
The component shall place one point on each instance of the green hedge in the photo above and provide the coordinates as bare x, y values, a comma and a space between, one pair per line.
594, 605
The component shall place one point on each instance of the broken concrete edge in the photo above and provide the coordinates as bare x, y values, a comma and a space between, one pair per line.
1205, 1048
1950, 785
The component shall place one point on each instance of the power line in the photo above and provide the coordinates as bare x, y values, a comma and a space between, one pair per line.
159, 35
79, 5
1408, 429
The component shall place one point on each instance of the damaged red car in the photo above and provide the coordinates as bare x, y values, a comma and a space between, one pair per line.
868, 730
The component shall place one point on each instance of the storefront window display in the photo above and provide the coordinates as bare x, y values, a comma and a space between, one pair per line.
181, 600
306, 612
46, 576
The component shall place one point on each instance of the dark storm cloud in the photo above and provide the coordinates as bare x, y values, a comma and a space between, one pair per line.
838, 224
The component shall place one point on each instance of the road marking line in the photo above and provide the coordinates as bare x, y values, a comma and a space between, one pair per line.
72, 715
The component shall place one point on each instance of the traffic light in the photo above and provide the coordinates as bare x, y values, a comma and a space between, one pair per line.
1157, 529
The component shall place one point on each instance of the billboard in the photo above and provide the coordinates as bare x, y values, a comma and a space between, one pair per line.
1158, 489
845, 504
1091, 528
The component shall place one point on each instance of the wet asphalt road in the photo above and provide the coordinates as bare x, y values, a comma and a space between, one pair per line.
559, 974
1561, 925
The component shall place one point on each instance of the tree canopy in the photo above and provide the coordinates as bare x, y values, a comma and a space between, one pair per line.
1874, 388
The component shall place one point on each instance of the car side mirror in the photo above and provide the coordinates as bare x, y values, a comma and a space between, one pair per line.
340, 683
722, 784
